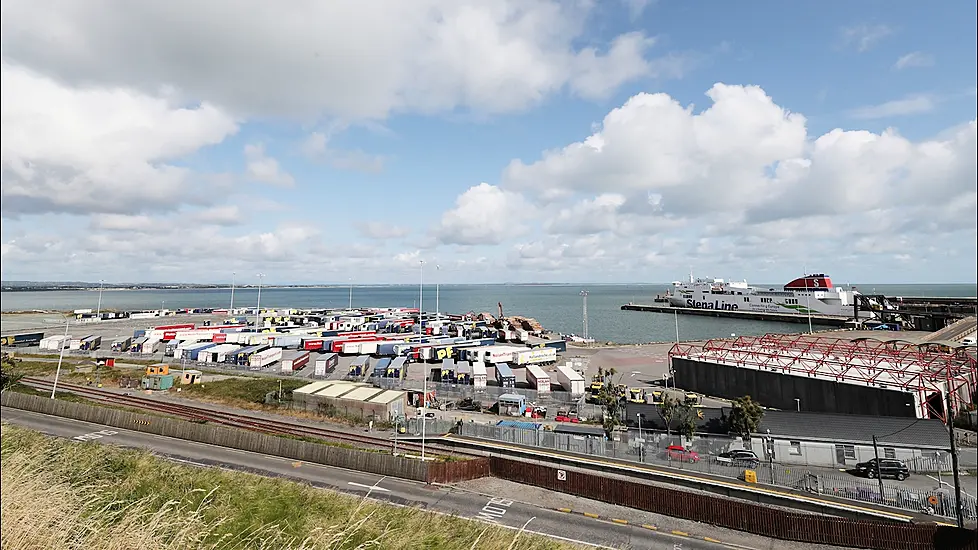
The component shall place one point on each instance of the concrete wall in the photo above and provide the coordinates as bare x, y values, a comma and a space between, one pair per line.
364, 461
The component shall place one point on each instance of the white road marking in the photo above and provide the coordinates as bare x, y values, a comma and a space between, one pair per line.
369, 487
94, 435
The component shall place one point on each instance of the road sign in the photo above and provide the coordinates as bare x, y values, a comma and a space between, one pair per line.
561, 475
750, 476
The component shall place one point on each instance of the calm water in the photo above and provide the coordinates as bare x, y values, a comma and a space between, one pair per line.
557, 307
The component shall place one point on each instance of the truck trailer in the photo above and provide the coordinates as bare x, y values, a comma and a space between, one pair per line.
537, 379
25, 339
570, 379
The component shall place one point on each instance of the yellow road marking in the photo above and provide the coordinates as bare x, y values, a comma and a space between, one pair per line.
590, 515
620, 521
708, 539
649, 527
680, 533
565, 510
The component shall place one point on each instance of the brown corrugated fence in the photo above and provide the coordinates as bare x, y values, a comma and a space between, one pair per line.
734, 514
454, 472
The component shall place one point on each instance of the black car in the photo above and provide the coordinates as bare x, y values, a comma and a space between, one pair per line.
887, 468
739, 458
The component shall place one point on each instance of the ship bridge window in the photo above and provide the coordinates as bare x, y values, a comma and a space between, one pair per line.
746, 299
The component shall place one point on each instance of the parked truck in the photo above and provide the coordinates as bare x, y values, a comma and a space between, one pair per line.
479, 376
326, 365
122, 344
538, 356
264, 358
25, 339
504, 376
90, 343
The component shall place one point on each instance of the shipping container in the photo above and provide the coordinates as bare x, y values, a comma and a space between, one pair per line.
327, 364
479, 376
91, 343
570, 379
264, 358
386, 349
294, 360
216, 354
242, 357
463, 372
504, 376
397, 368
193, 353
447, 371
189, 326
312, 344
539, 356
537, 379
55, 342
139, 333
380, 367
286, 341
360, 365
25, 339
151, 346
121, 344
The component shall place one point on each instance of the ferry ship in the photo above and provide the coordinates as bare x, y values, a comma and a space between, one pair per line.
811, 294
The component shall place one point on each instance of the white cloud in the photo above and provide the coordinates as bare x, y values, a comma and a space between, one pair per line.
265, 169
98, 149
382, 231
349, 59
637, 7
914, 59
484, 214
316, 146
898, 107
743, 183
864, 37
219, 215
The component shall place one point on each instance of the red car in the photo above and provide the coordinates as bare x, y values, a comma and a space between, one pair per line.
679, 452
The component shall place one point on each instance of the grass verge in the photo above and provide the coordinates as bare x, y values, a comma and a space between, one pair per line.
62, 494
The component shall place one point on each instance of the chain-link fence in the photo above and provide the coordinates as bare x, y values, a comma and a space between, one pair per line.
654, 448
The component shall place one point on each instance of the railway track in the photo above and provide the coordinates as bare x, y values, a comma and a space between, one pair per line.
261, 425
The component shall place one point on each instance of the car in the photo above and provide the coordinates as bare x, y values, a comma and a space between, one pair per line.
739, 458
887, 468
679, 452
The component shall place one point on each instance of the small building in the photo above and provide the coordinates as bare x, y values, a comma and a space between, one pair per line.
842, 440
191, 376
352, 399
158, 382
512, 404
158, 369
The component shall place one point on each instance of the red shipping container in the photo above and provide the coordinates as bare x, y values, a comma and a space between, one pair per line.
220, 337
169, 335
312, 345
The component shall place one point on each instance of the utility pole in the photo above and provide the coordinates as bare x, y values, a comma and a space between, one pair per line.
424, 389
876, 453
231, 307
98, 310
958, 513
584, 293
808, 299
258, 305
61, 356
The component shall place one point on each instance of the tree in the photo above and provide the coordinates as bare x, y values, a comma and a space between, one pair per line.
675, 411
611, 400
7, 376
745, 417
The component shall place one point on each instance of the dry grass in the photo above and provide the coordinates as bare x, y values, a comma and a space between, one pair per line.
61, 494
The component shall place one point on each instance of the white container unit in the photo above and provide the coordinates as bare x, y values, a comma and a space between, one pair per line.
54, 342
538, 379
265, 358
216, 354
294, 360
151, 345
570, 379
536, 356
479, 375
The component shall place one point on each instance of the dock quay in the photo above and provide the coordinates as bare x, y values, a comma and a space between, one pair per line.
820, 320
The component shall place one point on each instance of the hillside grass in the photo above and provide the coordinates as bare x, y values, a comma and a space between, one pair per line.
69, 495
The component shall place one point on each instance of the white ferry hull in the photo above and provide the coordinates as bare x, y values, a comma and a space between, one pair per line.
736, 303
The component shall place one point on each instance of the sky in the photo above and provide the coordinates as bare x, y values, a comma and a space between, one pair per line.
499, 140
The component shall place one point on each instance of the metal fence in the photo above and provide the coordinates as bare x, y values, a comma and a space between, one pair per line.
652, 449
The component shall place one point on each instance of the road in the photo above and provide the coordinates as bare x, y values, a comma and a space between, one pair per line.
440, 499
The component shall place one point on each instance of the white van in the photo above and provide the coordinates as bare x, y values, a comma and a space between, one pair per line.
968, 341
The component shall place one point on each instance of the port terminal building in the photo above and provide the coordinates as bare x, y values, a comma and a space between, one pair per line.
831, 375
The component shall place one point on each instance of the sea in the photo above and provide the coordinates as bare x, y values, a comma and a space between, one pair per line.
558, 307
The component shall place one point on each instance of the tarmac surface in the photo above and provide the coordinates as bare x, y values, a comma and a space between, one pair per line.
508, 506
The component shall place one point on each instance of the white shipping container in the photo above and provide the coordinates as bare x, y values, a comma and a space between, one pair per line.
570, 379
295, 361
368, 348
265, 358
479, 375
537, 378
74, 343
54, 342
351, 348
151, 346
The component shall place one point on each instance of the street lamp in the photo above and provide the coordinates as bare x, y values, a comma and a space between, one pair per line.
61, 356
424, 390
584, 294
98, 310
231, 307
641, 442
351, 292
258, 305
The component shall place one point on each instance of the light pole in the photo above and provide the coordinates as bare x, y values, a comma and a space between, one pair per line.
61, 356
258, 305
641, 442
162, 307
808, 302
231, 307
676, 313
351, 292
98, 310
437, 304
424, 389
584, 294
